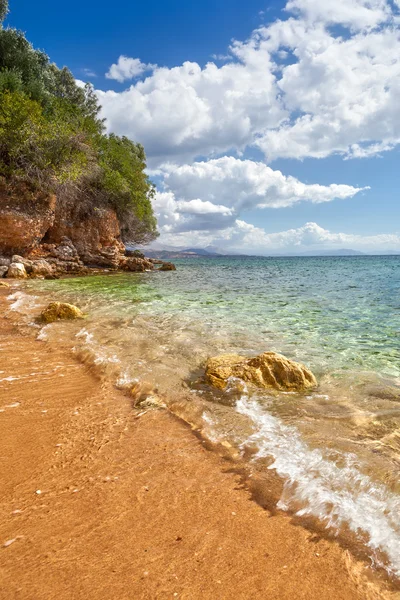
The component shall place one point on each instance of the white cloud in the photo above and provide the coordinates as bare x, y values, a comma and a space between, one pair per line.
246, 184
324, 80
247, 238
295, 89
212, 195
354, 13
128, 68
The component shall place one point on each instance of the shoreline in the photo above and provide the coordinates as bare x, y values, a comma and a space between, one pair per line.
132, 504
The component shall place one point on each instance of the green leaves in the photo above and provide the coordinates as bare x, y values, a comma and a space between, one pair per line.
3, 9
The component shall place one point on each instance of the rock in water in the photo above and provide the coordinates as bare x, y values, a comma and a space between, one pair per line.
61, 310
167, 266
17, 271
4, 284
268, 370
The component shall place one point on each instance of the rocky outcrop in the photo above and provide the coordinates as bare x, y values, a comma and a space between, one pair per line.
17, 271
51, 237
135, 265
268, 370
61, 310
167, 266
95, 234
25, 217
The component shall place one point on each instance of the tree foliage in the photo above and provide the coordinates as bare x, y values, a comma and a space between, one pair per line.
51, 135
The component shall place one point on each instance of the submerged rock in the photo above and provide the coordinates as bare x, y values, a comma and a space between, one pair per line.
61, 310
268, 370
17, 271
4, 284
144, 395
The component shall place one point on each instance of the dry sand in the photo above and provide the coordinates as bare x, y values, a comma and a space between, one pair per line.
100, 502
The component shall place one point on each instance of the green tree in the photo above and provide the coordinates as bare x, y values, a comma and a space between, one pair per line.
3, 9
51, 136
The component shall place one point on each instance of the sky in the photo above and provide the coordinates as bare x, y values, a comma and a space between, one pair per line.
269, 126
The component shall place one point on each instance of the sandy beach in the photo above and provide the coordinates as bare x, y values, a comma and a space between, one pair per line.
99, 500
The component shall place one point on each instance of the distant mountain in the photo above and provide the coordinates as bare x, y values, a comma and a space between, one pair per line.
341, 252
200, 252
187, 253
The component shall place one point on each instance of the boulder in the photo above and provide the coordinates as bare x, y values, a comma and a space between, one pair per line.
136, 265
17, 271
41, 268
167, 266
5, 262
3, 271
268, 370
61, 310
23, 261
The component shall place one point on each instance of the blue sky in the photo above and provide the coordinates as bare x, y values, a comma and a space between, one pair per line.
299, 93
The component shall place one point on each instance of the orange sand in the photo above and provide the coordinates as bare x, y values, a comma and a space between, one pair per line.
132, 505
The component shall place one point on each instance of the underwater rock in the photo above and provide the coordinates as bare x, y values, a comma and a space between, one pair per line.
145, 396
268, 370
4, 284
17, 271
61, 310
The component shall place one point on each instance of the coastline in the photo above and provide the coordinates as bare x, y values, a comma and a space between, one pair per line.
132, 504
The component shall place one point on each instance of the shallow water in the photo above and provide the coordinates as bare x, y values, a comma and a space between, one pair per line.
338, 448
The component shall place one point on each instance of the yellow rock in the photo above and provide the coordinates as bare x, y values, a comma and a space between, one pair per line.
4, 284
61, 310
268, 370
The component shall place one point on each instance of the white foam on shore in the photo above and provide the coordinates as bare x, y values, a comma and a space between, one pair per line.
336, 495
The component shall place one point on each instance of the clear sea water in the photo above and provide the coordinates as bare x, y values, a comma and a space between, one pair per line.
337, 449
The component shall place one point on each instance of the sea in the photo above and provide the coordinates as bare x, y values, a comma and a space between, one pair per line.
336, 450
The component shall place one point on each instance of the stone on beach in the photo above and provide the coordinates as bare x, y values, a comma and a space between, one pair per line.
3, 270
17, 271
268, 370
61, 310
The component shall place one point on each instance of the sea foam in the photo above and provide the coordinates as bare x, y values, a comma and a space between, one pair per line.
337, 495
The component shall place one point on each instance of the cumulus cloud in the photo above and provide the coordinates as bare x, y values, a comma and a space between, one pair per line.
246, 184
211, 195
295, 88
128, 68
247, 238
322, 80
357, 14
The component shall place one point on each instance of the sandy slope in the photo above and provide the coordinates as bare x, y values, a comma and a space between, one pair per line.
134, 506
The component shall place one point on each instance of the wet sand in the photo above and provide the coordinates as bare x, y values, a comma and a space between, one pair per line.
98, 500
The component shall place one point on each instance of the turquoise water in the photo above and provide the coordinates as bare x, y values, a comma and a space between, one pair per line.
332, 313
338, 448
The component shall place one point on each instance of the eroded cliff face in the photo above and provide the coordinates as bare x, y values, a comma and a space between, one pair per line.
25, 217
41, 236
95, 234
31, 220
